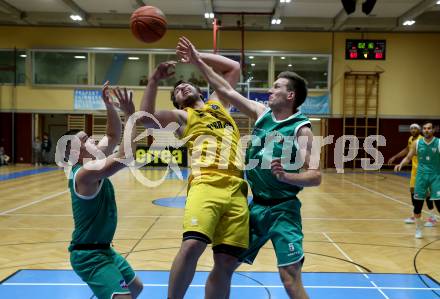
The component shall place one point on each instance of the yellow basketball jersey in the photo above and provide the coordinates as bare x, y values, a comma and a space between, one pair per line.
410, 142
213, 142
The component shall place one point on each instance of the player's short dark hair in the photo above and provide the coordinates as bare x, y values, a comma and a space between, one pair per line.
428, 122
67, 152
297, 84
173, 97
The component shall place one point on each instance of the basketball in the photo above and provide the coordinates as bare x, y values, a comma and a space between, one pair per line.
148, 24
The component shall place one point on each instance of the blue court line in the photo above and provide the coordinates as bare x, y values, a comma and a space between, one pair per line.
172, 175
19, 174
177, 202
403, 174
258, 285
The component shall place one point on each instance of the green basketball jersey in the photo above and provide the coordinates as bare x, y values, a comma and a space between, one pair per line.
428, 156
273, 139
95, 216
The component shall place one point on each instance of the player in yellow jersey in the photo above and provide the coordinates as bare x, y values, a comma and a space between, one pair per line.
216, 208
415, 135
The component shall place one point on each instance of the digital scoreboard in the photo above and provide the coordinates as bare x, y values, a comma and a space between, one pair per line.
364, 49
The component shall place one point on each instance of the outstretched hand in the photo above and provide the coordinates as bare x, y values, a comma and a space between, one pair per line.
186, 52
164, 70
125, 99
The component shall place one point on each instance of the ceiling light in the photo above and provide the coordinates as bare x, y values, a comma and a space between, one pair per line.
276, 21
438, 2
23, 55
76, 18
209, 15
409, 23
133, 58
80, 57
289, 65
282, 57
251, 57
252, 64
314, 58
284, 1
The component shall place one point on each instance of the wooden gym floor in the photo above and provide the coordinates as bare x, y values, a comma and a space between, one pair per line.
353, 222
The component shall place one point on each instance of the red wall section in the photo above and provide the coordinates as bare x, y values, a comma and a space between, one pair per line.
23, 138
5, 132
389, 128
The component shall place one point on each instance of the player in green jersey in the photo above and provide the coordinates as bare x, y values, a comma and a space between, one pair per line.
427, 150
275, 211
415, 131
106, 272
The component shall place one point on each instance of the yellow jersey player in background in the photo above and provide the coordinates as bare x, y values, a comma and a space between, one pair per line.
415, 135
216, 207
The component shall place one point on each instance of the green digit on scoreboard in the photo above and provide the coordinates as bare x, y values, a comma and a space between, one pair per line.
370, 45
361, 45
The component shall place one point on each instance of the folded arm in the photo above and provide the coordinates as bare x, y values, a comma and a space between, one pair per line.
310, 175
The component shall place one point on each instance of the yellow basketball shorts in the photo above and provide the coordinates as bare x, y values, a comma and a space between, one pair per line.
217, 207
412, 181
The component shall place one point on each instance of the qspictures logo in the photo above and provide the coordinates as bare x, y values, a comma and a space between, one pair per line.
167, 148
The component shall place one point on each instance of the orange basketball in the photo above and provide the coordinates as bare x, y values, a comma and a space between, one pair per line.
148, 24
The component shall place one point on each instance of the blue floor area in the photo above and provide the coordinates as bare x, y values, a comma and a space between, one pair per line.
65, 284
19, 174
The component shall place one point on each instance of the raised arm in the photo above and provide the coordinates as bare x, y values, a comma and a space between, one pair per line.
224, 90
88, 177
227, 68
148, 104
310, 176
411, 153
113, 132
